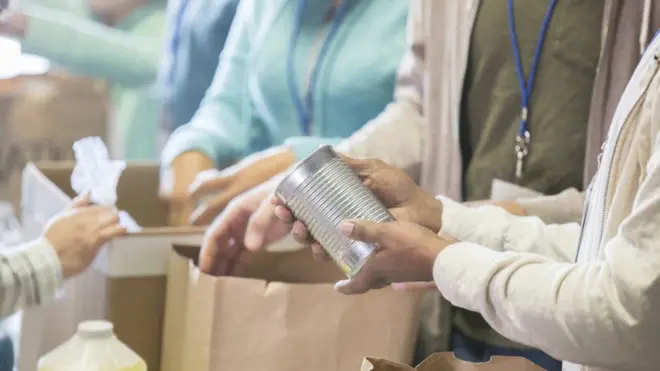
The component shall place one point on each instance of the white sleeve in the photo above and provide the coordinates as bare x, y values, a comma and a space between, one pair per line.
496, 229
602, 313
565, 207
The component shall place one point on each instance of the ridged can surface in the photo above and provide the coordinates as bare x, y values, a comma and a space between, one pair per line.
322, 192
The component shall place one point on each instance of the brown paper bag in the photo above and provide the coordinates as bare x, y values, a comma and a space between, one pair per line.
447, 362
283, 316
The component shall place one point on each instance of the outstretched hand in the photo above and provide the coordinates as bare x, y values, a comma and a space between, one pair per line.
406, 253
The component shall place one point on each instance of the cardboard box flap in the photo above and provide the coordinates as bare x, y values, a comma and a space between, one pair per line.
188, 252
137, 193
374, 364
288, 266
448, 362
137, 189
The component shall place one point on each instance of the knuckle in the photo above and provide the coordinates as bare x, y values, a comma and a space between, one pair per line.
260, 220
258, 225
114, 217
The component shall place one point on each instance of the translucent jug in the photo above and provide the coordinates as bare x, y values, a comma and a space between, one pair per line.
94, 347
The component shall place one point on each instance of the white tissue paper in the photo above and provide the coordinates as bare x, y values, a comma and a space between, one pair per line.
99, 175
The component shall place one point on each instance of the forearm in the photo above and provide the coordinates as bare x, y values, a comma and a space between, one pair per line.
565, 207
496, 229
587, 314
29, 275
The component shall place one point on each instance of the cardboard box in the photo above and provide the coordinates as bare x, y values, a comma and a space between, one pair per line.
447, 362
282, 314
40, 119
126, 284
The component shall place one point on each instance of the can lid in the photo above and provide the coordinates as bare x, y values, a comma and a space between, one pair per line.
95, 329
306, 168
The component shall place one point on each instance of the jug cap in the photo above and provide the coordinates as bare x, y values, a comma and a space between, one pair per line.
95, 329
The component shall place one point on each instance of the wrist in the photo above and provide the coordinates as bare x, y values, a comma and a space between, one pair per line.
429, 212
64, 268
429, 257
268, 164
177, 177
196, 159
513, 208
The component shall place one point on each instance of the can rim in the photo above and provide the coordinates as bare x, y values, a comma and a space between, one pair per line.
301, 171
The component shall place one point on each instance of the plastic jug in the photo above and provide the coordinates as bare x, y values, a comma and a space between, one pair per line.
94, 347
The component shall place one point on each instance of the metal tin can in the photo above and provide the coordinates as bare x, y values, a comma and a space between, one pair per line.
322, 192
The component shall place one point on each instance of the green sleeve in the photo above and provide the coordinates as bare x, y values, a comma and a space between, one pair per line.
89, 48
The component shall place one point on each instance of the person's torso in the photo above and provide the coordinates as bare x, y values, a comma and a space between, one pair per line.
444, 75
558, 111
623, 167
135, 109
559, 103
191, 57
354, 80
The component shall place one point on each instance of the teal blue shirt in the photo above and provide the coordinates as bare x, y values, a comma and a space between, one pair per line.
126, 56
196, 34
249, 106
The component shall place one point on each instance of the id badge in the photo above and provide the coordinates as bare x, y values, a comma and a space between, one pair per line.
505, 191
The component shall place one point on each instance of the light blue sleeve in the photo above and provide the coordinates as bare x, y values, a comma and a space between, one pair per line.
303, 146
218, 128
90, 48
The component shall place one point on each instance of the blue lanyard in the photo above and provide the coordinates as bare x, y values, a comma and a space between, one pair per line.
305, 108
176, 37
526, 87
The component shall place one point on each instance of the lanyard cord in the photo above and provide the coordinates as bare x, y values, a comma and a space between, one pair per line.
176, 37
526, 87
305, 109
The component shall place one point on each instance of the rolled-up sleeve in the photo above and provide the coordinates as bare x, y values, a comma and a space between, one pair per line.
29, 275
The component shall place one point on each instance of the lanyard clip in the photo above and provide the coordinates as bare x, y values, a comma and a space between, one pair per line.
522, 150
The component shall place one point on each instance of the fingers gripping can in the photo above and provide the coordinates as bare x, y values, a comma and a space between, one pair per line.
322, 191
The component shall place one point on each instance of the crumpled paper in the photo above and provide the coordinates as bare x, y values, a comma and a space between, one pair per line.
96, 173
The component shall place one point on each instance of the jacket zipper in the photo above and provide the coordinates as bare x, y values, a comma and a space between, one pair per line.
585, 212
610, 166
609, 172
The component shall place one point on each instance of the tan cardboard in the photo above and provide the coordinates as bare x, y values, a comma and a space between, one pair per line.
282, 314
447, 362
126, 284
40, 119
